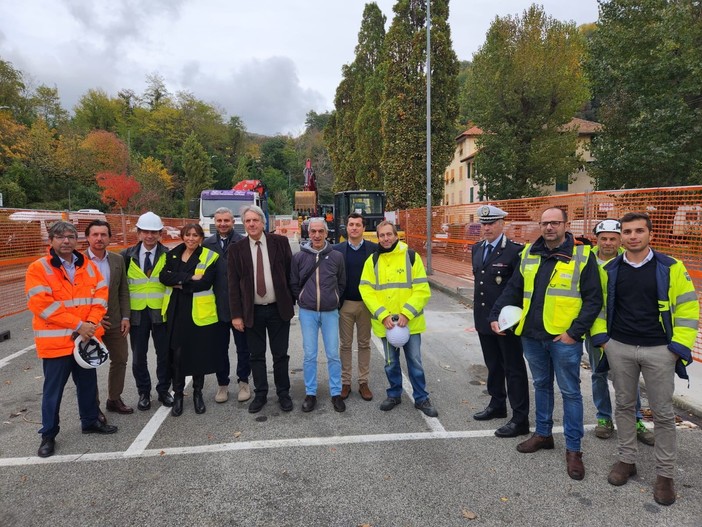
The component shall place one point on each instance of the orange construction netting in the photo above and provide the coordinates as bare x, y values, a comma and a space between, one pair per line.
24, 238
676, 213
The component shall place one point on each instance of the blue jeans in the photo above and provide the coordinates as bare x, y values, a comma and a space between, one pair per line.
415, 370
600, 386
310, 323
547, 358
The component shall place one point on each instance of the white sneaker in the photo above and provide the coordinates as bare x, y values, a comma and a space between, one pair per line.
244, 391
222, 394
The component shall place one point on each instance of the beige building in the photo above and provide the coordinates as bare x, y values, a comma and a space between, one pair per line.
459, 178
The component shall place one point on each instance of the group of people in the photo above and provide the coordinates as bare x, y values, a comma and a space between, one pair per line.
188, 299
635, 308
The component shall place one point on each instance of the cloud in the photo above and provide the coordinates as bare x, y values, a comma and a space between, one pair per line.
265, 93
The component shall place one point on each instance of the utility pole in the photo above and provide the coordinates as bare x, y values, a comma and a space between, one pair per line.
429, 269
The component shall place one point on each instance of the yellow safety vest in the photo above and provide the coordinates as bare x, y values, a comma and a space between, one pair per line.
204, 306
562, 301
145, 291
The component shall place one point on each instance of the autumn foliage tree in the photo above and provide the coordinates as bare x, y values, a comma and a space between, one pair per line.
117, 189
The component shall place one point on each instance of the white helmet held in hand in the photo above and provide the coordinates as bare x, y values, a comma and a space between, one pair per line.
90, 353
397, 336
509, 317
149, 222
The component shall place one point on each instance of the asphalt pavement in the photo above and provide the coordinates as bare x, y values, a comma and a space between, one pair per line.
363, 467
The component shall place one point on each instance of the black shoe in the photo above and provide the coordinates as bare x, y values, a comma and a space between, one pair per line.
490, 413
98, 428
309, 403
513, 429
426, 408
198, 402
47, 447
144, 402
177, 408
390, 403
257, 404
101, 417
339, 404
166, 399
285, 403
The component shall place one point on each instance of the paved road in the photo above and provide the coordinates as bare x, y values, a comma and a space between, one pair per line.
362, 467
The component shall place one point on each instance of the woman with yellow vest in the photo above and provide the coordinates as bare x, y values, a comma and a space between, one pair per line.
191, 315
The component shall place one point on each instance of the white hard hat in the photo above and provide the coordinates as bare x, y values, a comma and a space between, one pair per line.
509, 317
149, 222
90, 354
398, 336
608, 226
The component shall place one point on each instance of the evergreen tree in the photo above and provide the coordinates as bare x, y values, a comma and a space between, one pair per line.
403, 110
197, 168
355, 123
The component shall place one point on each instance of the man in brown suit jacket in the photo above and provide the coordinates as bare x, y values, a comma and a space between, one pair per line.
116, 322
261, 301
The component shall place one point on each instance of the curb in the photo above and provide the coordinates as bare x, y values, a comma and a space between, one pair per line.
457, 293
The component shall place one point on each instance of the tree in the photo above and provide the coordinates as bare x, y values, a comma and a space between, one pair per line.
197, 168
525, 84
13, 140
156, 187
117, 189
47, 105
96, 111
646, 69
403, 110
344, 131
105, 152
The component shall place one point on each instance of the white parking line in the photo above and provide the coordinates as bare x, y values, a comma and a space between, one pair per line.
258, 445
432, 422
4, 362
139, 445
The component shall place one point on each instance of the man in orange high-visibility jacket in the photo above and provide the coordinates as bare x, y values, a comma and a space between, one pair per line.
68, 297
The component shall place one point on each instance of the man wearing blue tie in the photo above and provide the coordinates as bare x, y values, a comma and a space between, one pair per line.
494, 261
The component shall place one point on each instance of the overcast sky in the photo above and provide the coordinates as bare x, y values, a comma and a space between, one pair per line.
267, 61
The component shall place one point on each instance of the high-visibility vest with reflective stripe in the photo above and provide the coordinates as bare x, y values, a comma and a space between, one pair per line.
145, 291
392, 284
562, 301
59, 306
204, 306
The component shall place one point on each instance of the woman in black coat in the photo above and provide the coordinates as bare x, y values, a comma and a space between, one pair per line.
193, 334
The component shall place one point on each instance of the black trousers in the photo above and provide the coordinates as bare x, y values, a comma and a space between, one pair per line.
504, 359
267, 320
139, 340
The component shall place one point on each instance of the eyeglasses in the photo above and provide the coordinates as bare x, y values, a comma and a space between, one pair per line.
553, 224
68, 237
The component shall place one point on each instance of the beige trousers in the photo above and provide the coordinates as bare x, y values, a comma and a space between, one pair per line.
354, 312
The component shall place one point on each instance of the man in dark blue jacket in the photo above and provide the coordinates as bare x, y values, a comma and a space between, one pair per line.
353, 311
220, 243
317, 280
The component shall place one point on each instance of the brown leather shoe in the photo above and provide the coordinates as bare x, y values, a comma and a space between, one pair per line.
664, 491
365, 392
345, 391
621, 472
534, 443
118, 406
576, 469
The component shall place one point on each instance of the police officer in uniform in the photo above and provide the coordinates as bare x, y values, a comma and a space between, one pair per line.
494, 261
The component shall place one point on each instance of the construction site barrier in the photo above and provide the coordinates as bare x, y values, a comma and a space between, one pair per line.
24, 237
676, 214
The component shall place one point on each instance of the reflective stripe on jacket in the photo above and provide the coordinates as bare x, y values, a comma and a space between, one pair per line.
59, 306
678, 306
204, 305
145, 291
392, 285
562, 300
